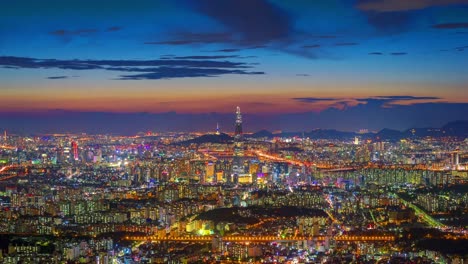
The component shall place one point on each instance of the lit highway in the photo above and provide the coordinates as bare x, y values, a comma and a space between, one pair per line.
278, 159
5, 168
7, 147
242, 239
423, 215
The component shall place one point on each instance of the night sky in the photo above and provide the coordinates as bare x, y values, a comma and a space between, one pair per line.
128, 66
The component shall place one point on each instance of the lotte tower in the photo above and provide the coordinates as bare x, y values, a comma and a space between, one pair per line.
238, 160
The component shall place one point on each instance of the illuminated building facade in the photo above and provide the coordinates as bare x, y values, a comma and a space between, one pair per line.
74, 146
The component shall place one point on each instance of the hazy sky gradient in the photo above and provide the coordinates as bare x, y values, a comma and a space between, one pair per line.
308, 63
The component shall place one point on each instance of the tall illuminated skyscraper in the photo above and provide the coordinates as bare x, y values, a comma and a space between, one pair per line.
238, 131
237, 163
74, 146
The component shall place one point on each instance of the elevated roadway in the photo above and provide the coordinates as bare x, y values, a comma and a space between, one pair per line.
262, 239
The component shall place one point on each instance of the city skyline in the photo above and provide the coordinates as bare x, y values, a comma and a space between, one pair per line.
185, 65
233, 131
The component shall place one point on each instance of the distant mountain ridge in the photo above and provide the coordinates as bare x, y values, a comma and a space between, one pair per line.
454, 129
261, 134
209, 138
459, 127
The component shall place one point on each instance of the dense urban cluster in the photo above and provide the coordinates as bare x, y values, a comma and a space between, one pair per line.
213, 198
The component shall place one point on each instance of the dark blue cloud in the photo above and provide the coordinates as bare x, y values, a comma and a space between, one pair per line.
202, 57
229, 50
255, 21
313, 99
391, 53
389, 22
63, 32
244, 25
252, 24
451, 25
114, 28
322, 36
390, 100
314, 46
68, 35
24, 62
57, 77
346, 44
258, 47
177, 67
180, 72
397, 16
407, 97
375, 100
243, 48
403, 5
461, 48
186, 38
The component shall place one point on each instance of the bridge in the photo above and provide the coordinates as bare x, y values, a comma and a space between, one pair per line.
5, 172
5, 168
261, 239
7, 147
262, 155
